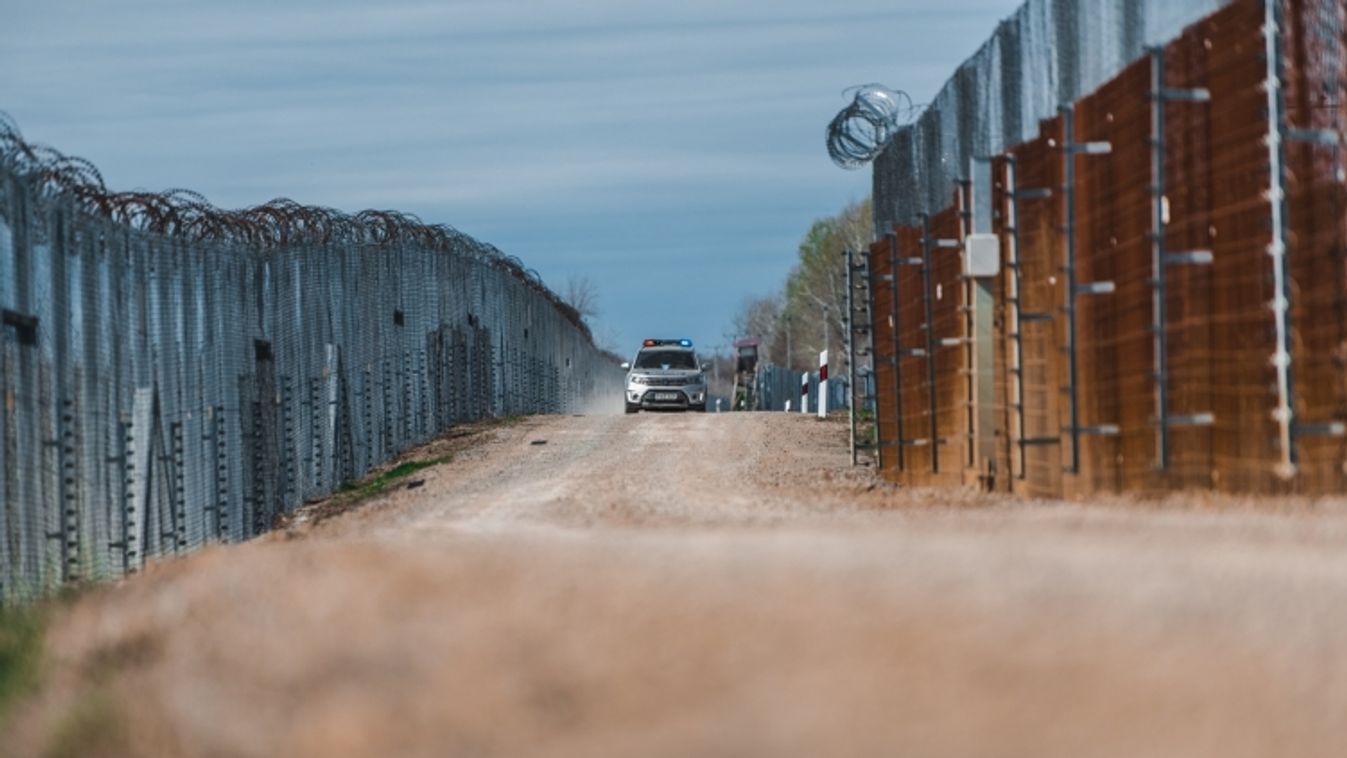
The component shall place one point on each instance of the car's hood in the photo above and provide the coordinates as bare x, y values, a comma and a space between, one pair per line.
666, 374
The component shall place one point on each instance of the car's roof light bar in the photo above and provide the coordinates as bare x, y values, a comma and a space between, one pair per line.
685, 342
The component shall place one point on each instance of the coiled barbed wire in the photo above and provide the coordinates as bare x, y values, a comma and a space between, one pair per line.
861, 130
274, 224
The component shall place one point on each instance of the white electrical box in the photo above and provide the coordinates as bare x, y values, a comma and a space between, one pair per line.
982, 255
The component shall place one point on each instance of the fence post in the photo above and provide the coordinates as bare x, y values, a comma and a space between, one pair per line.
822, 405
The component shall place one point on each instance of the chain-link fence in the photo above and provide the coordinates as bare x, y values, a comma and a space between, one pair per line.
175, 375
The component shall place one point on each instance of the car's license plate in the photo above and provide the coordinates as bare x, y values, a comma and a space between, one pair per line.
666, 395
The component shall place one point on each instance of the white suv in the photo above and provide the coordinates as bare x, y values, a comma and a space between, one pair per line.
665, 374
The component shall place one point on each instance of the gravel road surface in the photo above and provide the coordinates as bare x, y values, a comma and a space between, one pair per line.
715, 585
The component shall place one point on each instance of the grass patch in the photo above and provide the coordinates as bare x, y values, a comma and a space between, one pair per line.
376, 484
21, 631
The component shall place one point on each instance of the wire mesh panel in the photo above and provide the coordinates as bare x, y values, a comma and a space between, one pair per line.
174, 375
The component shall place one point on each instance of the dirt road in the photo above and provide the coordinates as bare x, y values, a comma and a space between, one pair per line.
716, 585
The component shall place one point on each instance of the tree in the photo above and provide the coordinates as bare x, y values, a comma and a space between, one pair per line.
789, 326
760, 318
818, 280
582, 294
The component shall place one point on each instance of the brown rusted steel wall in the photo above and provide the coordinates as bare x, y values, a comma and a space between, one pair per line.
1190, 326
886, 409
1219, 326
1114, 345
911, 359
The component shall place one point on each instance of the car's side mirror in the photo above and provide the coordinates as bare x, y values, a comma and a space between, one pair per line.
626, 366
706, 367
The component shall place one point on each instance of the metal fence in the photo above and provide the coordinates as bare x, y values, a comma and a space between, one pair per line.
1170, 307
1048, 53
174, 375
777, 386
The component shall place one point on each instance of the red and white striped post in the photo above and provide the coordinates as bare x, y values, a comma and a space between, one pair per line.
823, 384
804, 393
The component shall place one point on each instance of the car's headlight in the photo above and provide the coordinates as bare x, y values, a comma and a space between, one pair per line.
640, 379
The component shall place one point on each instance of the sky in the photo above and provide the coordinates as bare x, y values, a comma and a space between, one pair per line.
670, 152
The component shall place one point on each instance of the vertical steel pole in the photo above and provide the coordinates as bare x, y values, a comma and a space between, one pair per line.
1159, 336
850, 327
1284, 412
1012, 225
1069, 269
926, 244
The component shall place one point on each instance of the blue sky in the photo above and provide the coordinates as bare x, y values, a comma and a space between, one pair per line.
672, 152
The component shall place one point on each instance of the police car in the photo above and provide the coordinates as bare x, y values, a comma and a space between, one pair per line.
665, 374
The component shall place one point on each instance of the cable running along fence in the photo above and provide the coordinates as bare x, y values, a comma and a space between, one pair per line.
175, 374
1168, 308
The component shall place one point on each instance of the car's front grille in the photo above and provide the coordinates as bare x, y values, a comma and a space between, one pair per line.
674, 382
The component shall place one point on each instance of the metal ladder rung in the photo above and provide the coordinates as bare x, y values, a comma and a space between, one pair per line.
1096, 288
1322, 429
1193, 419
1189, 258
1032, 193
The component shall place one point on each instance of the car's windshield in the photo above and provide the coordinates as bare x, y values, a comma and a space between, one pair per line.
665, 359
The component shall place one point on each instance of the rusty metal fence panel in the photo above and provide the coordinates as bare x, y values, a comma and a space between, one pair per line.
163, 391
1173, 294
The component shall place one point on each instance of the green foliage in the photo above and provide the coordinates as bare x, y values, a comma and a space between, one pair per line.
21, 631
377, 483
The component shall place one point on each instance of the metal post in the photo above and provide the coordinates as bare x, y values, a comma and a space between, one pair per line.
1015, 298
929, 297
1069, 200
1284, 412
851, 351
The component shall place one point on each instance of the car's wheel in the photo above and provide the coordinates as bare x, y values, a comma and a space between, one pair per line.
632, 408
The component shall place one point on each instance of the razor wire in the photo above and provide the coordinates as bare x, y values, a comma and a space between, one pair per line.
1048, 53
174, 374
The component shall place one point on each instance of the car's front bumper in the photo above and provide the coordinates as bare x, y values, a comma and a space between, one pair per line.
666, 397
